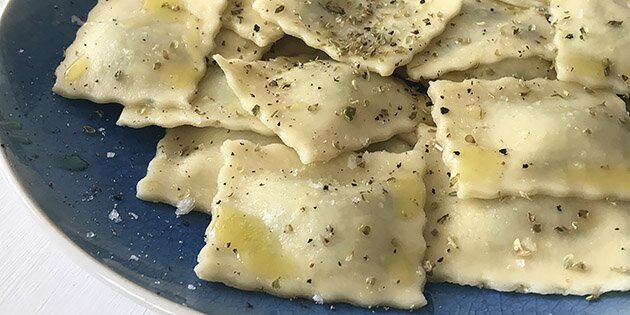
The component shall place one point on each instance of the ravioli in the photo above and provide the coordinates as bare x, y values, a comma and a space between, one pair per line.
214, 105
241, 17
336, 231
322, 108
593, 41
186, 166
521, 138
547, 245
526, 69
379, 36
485, 32
140, 52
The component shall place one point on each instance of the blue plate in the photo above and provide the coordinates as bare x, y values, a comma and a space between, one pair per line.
71, 181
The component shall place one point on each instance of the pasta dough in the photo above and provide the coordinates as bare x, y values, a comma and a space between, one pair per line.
186, 166
526, 69
354, 225
521, 138
544, 245
241, 17
485, 32
377, 35
322, 108
528, 3
140, 52
593, 43
214, 105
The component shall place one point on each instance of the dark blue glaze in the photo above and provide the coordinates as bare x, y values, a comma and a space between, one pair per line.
39, 129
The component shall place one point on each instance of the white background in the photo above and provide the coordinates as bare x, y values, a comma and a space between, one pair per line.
37, 278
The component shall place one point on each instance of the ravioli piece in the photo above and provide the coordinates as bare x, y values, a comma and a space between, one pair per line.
518, 138
485, 32
322, 108
526, 69
335, 231
140, 52
545, 245
379, 36
593, 41
186, 166
215, 104
241, 17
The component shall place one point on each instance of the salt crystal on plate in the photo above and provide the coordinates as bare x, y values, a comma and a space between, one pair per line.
115, 216
184, 206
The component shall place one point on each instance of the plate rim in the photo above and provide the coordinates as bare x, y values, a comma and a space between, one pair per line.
70, 249
80, 257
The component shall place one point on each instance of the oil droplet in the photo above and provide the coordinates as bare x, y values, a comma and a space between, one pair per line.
408, 195
586, 67
10, 125
77, 69
479, 165
402, 266
21, 139
179, 75
166, 10
257, 248
72, 162
613, 181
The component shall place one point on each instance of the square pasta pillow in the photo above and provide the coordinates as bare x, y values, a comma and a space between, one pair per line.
323, 108
545, 245
140, 52
214, 103
485, 32
187, 161
377, 35
522, 138
346, 230
593, 41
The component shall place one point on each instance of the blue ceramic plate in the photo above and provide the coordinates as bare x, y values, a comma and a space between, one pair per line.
70, 181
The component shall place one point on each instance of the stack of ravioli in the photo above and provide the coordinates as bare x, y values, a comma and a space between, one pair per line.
302, 129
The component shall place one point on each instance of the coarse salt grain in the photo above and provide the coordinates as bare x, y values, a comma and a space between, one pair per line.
185, 205
115, 216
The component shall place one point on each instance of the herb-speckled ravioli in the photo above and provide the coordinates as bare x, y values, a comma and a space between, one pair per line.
484, 33
543, 244
346, 230
520, 138
186, 165
377, 35
136, 52
323, 108
593, 41
214, 103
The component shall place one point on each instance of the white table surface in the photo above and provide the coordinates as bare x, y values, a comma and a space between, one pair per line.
36, 277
